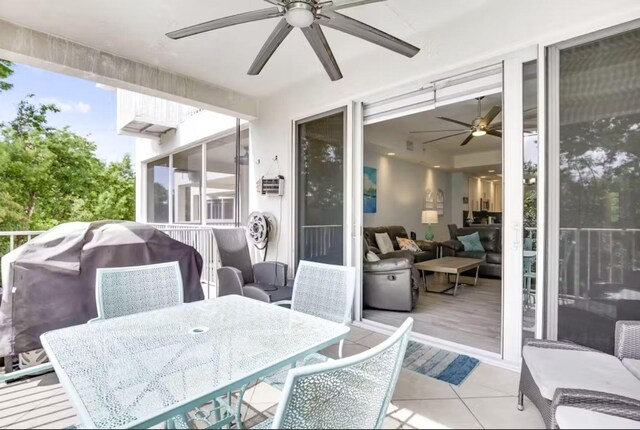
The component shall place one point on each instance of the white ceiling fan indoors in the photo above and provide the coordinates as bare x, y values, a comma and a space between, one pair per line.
310, 16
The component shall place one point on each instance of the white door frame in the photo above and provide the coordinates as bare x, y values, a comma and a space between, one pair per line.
513, 202
513, 207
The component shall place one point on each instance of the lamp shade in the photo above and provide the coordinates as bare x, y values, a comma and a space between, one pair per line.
430, 217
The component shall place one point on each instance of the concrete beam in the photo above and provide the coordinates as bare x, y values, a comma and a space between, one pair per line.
34, 48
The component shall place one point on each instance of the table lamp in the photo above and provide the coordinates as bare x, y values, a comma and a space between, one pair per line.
429, 217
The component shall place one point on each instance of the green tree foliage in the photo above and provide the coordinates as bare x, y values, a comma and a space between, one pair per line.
6, 70
50, 176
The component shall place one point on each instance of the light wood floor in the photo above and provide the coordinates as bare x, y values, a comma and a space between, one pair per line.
471, 318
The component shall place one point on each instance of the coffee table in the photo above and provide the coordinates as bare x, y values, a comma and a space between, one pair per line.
450, 266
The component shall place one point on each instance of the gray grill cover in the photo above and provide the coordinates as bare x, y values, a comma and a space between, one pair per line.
53, 276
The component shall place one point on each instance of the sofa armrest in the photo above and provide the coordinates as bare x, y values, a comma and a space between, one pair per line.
594, 401
627, 343
454, 245
402, 253
256, 294
375, 250
388, 265
270, 273
230, 281
427, 245
558, 344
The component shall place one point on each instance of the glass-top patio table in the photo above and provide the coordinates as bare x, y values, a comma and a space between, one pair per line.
143, 369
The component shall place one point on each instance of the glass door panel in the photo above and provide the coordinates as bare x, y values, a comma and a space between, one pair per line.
320, 152
598, 239
530, 299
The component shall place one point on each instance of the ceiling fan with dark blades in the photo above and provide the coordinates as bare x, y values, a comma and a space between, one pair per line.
310, 16
480, 126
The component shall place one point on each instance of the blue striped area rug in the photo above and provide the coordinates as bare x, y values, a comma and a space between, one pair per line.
439, 364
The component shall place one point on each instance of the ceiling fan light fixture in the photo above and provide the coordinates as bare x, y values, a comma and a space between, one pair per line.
300, 14
479, 133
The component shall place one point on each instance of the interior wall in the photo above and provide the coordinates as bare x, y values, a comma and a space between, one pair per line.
401, 194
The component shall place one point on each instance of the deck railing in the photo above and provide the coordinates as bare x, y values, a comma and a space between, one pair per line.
9, 240
201, 238
198, 236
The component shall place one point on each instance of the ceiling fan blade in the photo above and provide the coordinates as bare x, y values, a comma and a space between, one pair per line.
319, 43
370, 34
494, 133
491, 115
256, 15
467, 140
455, 121
281, 31
442, 138
343, 4
434, 131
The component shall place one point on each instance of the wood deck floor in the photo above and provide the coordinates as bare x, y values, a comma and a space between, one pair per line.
471, 318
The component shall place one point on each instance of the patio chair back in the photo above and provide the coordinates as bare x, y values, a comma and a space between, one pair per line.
353, 392
234, 251
124, 291
324, 290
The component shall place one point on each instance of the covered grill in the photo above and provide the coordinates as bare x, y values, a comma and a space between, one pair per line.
49, 282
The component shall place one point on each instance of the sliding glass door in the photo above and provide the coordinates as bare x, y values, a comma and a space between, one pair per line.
594, 177
320, 188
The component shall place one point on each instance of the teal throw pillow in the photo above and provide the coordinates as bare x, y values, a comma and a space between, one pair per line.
471, 242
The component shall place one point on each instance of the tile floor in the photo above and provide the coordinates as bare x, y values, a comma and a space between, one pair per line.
487, 399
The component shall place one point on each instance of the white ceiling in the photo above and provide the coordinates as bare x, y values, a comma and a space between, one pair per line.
136, 30
392, 136
465, 111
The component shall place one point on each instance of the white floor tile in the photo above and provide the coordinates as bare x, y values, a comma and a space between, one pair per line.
435, 414
373, 339
264, 394
357, 333
348, 350
502, 413
414, 386
489, 381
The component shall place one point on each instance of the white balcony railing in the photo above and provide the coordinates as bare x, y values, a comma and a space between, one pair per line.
199, 237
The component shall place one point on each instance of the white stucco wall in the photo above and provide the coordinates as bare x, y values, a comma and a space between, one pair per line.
452, 47
401, 194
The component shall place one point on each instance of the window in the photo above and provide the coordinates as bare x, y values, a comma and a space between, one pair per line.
158, 191
217, 197
187, 185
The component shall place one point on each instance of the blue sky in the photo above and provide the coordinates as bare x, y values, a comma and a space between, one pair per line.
87, 110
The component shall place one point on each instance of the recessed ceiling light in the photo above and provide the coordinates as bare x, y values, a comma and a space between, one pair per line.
391, 154
436, 167
483, 177
492, 171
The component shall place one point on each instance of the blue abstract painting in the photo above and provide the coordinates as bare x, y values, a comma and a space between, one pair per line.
370, 190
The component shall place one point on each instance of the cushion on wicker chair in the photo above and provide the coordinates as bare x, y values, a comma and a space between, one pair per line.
568, 417
632, 366
556, 368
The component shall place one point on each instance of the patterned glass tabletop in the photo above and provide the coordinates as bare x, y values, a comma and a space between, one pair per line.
127, 371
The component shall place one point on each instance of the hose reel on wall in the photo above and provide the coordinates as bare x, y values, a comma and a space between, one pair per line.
262, 229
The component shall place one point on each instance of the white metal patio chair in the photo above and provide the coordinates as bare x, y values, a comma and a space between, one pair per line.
352, 392
321, 290
124, 291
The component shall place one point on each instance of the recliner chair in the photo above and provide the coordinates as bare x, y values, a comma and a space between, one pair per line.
391, 283
265, 281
